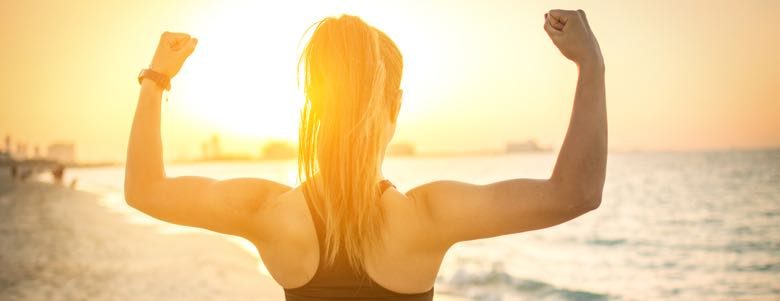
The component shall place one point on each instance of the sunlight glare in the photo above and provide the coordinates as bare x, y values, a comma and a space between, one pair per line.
242, 77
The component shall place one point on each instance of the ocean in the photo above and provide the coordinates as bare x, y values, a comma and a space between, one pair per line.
671, 226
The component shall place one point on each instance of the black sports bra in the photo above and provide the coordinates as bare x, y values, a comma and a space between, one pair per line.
339, 281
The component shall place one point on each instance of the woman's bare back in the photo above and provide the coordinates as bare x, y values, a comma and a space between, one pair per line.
406, 263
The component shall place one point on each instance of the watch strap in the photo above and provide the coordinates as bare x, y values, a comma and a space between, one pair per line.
161, 79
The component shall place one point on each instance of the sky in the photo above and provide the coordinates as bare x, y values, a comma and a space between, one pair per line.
680, 75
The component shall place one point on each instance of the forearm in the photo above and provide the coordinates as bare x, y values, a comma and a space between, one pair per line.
144, 152
581, 166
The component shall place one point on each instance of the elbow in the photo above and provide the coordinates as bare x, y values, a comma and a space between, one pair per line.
591, 201
134, 195
131, 197
581, 198
586, 200
583, 203
140, 189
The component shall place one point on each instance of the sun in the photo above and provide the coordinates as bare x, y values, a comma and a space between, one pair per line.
242, 78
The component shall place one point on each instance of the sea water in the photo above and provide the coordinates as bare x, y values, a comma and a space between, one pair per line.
671, 226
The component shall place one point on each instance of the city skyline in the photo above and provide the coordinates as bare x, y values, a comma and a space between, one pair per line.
211, 150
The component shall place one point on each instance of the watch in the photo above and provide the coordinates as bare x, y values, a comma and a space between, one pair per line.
161, 79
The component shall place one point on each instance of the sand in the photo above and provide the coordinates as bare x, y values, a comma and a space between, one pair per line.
57, 244
60, 244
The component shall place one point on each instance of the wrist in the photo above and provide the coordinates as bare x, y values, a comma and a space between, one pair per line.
594, 67
149, 84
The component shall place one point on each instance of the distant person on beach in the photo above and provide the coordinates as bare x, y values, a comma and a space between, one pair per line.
346, 232
14, 171
57, 173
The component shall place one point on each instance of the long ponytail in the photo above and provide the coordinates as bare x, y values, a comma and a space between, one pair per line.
352, 73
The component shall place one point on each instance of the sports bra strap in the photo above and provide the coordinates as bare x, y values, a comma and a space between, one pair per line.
384, 185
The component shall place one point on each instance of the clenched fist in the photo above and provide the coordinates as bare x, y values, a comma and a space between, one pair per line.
570, 32
173, 50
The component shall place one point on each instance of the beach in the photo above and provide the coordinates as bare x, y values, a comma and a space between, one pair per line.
59, 244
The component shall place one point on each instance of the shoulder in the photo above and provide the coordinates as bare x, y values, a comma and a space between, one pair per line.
444, 205
247, 195
441, 193
260, 189
276, 212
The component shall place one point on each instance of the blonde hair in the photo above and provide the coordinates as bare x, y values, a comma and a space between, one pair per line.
351, 79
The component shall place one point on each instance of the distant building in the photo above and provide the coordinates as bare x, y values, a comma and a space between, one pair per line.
525, 147
21, 151
401, 150
216, 150
278, 151
211, 149
8, 144
62, 152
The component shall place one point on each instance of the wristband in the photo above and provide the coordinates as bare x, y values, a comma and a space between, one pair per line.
161, 79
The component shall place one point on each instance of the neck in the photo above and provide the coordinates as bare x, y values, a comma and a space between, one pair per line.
380, 161
379, 174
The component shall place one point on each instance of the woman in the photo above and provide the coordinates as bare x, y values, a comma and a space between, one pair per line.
346, 232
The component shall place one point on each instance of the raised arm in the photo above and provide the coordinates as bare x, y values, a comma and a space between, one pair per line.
460, 211
230, 206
